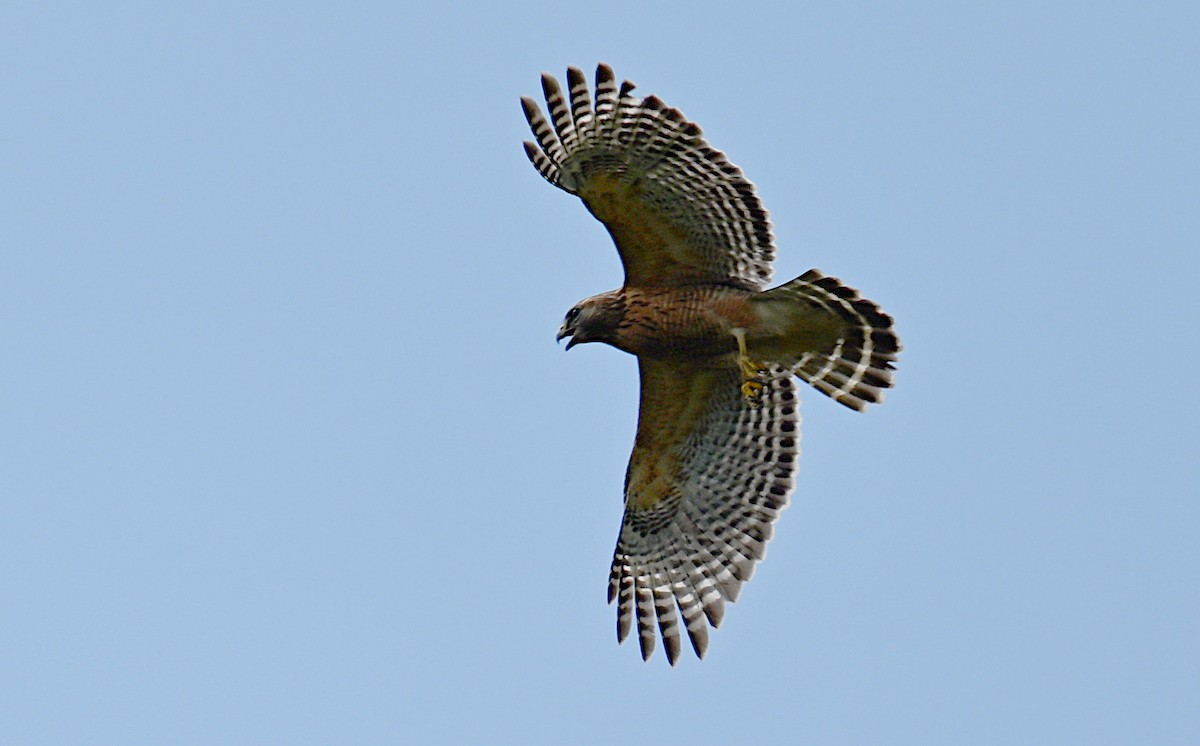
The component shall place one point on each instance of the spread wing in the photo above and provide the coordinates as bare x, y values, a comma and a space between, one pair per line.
708, 476
678, 211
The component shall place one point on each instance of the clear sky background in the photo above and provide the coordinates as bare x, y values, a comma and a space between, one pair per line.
290, 456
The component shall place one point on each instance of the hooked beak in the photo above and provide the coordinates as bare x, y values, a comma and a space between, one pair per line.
563, 332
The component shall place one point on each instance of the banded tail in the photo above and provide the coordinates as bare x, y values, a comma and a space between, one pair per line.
845, 347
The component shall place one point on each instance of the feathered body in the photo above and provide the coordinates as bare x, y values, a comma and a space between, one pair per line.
711, 466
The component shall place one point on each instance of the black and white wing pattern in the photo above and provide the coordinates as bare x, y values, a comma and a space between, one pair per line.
709, 474
679, 212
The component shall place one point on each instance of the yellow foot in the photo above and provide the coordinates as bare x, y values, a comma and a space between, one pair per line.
752, 390
752, 387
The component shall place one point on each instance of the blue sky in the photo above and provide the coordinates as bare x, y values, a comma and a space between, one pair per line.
290, 455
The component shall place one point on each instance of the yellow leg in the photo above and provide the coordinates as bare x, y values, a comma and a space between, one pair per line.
751, 386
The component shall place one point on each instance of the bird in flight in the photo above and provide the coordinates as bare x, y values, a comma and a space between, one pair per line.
718, 428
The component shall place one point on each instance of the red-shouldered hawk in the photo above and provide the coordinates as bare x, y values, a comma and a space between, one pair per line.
718, 428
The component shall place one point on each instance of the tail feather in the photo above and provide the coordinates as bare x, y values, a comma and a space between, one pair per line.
853, 362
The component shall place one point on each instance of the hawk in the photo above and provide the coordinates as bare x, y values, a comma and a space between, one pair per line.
718, 425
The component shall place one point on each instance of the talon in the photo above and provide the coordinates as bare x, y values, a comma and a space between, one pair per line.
752, 387
752, 390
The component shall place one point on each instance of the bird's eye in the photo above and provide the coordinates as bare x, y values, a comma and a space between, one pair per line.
573, 314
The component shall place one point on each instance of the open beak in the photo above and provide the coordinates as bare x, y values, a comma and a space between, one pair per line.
563, 333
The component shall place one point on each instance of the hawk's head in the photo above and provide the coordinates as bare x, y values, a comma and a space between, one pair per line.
592, 320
